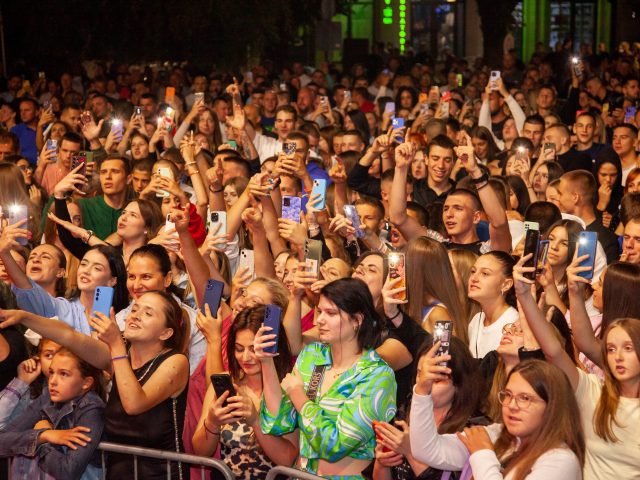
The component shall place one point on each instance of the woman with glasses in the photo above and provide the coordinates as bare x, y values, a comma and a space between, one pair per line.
610, 410
540, 437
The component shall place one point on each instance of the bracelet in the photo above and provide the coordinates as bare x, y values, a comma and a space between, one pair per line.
90, 234
212, 433
481, 179
120, 357
396, 315
479, 187
215, 191
194, 172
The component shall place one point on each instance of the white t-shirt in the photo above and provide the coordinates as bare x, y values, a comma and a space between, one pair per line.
606, 460
483, 339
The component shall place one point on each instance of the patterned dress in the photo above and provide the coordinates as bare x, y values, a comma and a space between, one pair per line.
242, 453
339, 423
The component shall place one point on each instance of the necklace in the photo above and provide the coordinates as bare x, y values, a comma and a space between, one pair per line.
150, 365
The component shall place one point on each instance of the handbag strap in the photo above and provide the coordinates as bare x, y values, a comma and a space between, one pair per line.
315, 382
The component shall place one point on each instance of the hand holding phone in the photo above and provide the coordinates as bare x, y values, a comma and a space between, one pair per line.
273, 319
222, 383
442, 332
397, 269
587, 245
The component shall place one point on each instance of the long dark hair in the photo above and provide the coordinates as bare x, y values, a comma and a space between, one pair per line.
251, 319
353, 297
620, 297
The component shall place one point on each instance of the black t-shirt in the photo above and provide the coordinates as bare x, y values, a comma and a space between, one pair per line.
17, 354
575, 160
413, 337
425, 195
476, 247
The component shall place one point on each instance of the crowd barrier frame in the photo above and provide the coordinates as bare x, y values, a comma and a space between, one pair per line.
291, 473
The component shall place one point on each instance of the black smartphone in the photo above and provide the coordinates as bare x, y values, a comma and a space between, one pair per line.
222, 383
212, 296
531, 245
273, 319
442, 332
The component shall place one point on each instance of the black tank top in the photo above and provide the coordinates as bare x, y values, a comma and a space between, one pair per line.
159, 428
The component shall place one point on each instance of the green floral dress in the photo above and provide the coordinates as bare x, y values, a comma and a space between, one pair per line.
339, 423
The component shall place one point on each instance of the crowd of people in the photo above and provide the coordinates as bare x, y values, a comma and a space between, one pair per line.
352, 221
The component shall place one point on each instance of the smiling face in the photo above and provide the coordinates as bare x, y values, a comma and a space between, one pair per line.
94, 271
522, 422
439, 164
147, 321
144, 275
511, 341
257, 293
244, 353
65, 379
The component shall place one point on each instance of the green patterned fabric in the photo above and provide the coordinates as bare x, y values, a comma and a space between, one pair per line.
339, 423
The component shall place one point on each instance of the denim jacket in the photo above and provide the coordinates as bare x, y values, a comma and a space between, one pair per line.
55, 461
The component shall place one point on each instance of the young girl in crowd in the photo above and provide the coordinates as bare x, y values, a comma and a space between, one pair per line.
232, 421
491, 285
609, 410
62, 428
337, 443
149, 375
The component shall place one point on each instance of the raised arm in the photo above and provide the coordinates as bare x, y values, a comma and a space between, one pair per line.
398, 197
84, 346
264, 266
542, 330
9, 241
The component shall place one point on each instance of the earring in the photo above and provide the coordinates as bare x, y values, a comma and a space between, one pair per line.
145, 232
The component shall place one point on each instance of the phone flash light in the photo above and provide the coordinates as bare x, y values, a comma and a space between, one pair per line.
14, 209
522, 149
169, 110
116, 122
582, 241
438, 332
159, 121
575, 60
393, 257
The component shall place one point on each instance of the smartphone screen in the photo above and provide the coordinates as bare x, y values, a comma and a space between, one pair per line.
442, 332
531, 245
273, 318
587, 244
222, 383
397, 270
543, 250
169, 94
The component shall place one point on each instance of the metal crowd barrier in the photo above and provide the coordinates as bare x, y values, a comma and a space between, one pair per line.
291, 473
202, 462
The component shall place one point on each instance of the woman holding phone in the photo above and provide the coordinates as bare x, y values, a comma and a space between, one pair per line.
609, 410
100, 266
149, 375
351, 385
231, 420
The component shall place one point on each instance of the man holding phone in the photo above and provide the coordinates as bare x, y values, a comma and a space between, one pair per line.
560, 136
49, 173
286, 117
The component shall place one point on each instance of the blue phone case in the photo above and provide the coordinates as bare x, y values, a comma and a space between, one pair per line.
587, 243
291, 207
273, 319
398, 123
102, 301
320, 188
212, 296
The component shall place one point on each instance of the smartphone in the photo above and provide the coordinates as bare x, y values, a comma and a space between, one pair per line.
273, 319
459, 78
312, 256
218, 217
248, 77
137, 111
396, 262
531, 245
531, 226
398, 122
444, 104
17, 213
198, 97
233, 144
283, 87
169, 94
102, 301
493, 79
53, 145
543, 250
320, 188
352, 214
212, 296
164, 172
375, 424
423, 97
291, 207
86, 117
42, 75
549, 146
629, 114
442, 332
522, 154
289, 148
347, 94
77, 160
246, 261
575, 64
389, 107
587, 243
168, 224
116, 128
222, 383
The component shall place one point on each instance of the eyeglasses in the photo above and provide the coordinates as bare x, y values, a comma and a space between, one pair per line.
512, 329
523, 400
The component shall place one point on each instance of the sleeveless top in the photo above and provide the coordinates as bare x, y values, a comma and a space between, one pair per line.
159, 427
426, 311
242, 453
